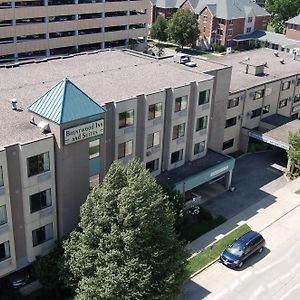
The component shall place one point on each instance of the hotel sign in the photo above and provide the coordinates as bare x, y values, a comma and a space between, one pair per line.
83, 132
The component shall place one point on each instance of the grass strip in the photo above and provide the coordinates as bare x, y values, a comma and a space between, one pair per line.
212, 252
193, 231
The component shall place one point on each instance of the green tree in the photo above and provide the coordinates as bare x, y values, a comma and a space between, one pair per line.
281, 11
294, 151
125, 246
183, 28
159, 29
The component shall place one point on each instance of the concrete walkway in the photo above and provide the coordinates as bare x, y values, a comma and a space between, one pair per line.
259, 216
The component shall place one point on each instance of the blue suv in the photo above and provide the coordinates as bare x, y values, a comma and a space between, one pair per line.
243, 247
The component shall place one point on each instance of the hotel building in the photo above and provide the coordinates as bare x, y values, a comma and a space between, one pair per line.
62, 127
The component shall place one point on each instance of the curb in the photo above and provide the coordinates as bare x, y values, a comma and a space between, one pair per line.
202, 269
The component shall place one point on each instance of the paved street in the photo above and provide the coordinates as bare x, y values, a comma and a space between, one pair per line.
275, 274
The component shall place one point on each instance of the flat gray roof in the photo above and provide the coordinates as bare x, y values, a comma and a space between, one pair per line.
276, 120
282, 132
274, 70
104, 76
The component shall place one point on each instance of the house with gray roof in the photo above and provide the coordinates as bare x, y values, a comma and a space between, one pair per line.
219, 20
293, 28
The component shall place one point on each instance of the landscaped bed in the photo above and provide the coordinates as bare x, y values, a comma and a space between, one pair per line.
212, 252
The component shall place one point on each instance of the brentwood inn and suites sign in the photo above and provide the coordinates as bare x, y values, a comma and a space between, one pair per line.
83, 132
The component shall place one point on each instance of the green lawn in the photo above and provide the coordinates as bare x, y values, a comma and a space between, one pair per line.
211, 253
192, 231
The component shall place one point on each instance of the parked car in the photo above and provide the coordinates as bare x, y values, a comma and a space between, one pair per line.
19, 278
243, 247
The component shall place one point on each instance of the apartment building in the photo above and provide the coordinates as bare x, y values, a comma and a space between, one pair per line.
223, 22
293, 28
30, 29
62, 127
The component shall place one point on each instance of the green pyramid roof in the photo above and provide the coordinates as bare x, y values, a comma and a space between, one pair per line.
65, 102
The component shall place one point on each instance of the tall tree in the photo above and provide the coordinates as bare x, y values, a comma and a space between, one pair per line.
159, 29
294, 151
281, 11
183, 28
125, 246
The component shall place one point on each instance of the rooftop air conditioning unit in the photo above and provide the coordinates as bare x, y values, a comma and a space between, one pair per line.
44, 126
276, 53
14, 104
281, 60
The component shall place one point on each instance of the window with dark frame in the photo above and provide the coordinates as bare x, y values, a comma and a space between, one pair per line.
296, 99
1, 177
228, 144
230, 122
258, 94
233, 102
154, 111
199, 147
3, 215
152, 165
153, 139
126, 118
282, 103
256, 113
4, 250
203, 97
125, 149
202, 123
176, 156
266, 109
38, 164
285, 85
42, 234
178, 131
181, 103
40, 200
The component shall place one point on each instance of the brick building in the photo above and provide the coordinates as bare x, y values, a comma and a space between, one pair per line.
293, 28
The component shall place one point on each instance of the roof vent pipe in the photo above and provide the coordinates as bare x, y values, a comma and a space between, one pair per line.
14, 103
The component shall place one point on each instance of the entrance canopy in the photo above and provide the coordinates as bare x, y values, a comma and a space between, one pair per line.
279, 136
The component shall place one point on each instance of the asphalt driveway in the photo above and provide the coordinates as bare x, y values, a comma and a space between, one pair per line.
256, 175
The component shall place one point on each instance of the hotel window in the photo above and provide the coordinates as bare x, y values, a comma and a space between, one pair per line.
296, 99
94, 148
4, 251
125, 149
266, 109
42, 234
268, 91
258, 94
178, 131
203, 97
38, 164
154, 111
40, 200
176, 156
202, 123
153, 139
298, 81
181, 103
250, 19
255, 113
248, 29
233, 102
152, 165
126, 118
1, 177
3, 215
228, 144
230, 122
282, 103
199, 147
286, 85
229, 32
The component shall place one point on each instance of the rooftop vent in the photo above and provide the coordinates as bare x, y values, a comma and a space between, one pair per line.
281, 60
247, 58
14, 104
44, 126
276, 53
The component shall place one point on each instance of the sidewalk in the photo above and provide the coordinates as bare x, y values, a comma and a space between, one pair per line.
258, 216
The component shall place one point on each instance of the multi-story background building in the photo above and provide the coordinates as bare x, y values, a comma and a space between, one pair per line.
52, 27
61, 127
